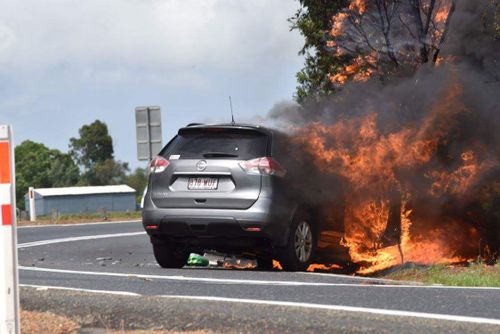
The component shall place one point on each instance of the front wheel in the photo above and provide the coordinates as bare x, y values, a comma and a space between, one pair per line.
301, 246
170, 256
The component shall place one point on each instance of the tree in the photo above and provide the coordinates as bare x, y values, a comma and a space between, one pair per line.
40, 167
138, 180
95, 145
385, 37
356, 39
106, 172
313, 20
94, 152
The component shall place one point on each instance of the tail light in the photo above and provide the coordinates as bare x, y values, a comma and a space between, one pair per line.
158, 165
263, 166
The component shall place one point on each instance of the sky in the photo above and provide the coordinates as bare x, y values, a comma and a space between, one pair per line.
66, 63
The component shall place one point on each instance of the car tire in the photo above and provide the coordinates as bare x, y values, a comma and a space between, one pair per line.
170, 256
300, 250
265, 263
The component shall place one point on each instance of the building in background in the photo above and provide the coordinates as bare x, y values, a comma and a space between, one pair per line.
83, 199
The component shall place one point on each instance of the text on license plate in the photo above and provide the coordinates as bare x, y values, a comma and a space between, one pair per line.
203, 183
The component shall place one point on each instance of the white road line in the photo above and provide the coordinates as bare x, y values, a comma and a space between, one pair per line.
87, 237
109, 292
254, 282
80, 224
229, 281
242, 281
183, 278
344, 308
398, 313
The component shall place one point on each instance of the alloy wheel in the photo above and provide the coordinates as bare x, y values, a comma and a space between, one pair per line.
303, 241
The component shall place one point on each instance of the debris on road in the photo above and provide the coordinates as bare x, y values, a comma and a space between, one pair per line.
197, 260
215, 259
239, 263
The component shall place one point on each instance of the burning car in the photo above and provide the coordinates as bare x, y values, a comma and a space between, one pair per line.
241, 189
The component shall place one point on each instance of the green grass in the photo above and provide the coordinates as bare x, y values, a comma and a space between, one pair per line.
476, 274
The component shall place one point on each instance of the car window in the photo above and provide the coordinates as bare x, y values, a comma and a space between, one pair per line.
237, 145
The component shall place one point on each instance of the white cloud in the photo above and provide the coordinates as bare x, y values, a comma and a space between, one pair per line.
65, 63
150, 34
7, 38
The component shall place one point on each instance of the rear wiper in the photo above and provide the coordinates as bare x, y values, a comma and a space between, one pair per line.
219, 155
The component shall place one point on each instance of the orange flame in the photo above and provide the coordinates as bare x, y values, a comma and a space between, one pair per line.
353, 34
277, 265
322, 267
358, 5
369, 161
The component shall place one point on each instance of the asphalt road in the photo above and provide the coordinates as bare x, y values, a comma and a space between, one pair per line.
116, 259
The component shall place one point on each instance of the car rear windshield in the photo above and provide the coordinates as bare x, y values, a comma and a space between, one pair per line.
234, 144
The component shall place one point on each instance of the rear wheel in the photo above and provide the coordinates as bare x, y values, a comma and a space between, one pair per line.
170, 256
301, 247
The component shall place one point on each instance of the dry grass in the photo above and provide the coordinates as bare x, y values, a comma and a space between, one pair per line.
49, 323
45, 322
82, 218
159, 332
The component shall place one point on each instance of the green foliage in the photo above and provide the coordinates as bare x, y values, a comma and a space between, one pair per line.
474, 275
40, 167
138, 180
93, 150
313, 20
107, 172
94, 146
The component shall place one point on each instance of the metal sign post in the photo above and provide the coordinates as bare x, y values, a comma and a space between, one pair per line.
9, 298
148, 126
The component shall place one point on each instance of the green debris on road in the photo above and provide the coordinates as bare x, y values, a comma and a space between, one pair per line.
197, 260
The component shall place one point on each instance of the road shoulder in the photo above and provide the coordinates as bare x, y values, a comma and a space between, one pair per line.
91, 310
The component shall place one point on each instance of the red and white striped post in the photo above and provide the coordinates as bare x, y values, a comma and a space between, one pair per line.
9, 298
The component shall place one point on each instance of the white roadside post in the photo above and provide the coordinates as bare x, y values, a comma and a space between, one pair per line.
9, 298
31, 197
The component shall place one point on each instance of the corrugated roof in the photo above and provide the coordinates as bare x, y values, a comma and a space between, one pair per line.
122, 188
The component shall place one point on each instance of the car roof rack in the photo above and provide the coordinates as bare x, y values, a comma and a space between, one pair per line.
194, 124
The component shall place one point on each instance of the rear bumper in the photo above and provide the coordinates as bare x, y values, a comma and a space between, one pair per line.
263, 220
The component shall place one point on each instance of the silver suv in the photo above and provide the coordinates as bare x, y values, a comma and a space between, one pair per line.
221, 187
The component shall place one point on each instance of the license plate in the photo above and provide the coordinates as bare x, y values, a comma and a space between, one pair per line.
203, 183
